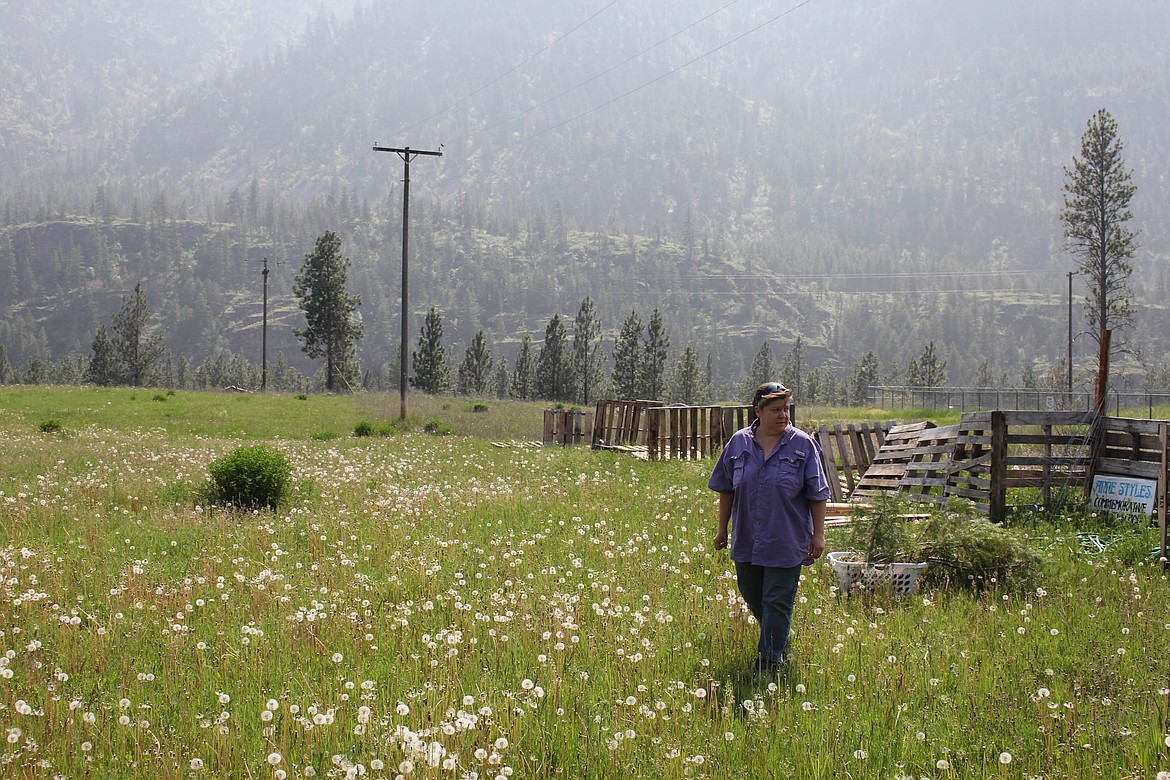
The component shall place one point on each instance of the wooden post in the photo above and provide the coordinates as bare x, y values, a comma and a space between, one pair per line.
1102, 385
652, 417
997, 500
1163, 491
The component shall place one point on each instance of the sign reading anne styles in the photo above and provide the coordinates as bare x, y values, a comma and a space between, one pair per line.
1123, 495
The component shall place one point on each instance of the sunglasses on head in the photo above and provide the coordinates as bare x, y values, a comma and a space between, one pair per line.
773, 387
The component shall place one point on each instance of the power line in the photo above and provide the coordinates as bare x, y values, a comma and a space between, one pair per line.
656, 79
511, 70
608, 70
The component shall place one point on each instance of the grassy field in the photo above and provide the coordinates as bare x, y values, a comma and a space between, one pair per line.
437, 606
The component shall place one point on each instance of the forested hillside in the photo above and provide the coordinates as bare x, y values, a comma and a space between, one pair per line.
863, 176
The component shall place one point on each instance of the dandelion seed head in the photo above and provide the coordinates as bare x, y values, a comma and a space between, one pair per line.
1005, 758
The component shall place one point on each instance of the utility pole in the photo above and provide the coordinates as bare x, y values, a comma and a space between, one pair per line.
264, 330
264, 334
407, 154
1071, 274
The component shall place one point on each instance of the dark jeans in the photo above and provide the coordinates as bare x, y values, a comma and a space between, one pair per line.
770, 593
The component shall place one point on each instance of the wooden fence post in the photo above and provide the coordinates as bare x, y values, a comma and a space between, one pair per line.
997, 499
1163, 489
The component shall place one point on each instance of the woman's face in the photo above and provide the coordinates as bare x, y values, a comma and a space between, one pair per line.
773, 415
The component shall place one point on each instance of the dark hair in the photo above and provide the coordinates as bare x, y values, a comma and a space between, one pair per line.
770, 391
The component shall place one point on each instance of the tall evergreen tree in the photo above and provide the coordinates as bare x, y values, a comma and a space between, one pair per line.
865, 374
333, 326
687, 385
475, 372
500, 383
554, 366
429, 361
523, 384
763, 369
928, 370
626, 354
792, 369
587, 355
654, 353
103, 365
137, 347
1096, 207
5, 367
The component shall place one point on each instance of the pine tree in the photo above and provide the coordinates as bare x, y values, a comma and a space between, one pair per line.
587, 355
792, 369
475, 372
500, 384
865, 374
1096, 208
928, 370
523, 384
626, 353
554, 367
687, 385
654, 354
103, 366
135, 347
763, 370
6, 373
333, 326
429, 361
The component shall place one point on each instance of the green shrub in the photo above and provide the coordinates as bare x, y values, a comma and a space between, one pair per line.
880, 532
437, 427
964, 548
158, 397
251, 477
51, 425
967, 550
387, 429
479, 408
363, 428
301, 397
324, 435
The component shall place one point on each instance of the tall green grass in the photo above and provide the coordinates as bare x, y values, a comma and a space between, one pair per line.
515, 612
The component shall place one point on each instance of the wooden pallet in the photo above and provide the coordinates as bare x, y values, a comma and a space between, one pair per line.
884, 474
926, 474
849, 451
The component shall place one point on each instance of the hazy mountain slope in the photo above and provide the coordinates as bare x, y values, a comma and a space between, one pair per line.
833, 172
78, 76
876, 122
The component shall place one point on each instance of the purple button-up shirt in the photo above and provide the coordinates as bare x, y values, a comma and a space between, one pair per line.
771, 523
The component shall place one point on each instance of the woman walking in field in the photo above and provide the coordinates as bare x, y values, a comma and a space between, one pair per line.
772, 495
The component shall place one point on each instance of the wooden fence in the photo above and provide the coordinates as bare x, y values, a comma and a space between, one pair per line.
684, 432
849, 451
662, 432
618, 423
989, 453
567, 426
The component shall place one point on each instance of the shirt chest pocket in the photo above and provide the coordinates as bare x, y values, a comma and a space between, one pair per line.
739, 469
788, 474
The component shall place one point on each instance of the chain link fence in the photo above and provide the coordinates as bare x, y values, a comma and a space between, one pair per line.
970, 399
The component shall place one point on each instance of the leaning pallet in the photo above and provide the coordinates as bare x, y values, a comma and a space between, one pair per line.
884, 475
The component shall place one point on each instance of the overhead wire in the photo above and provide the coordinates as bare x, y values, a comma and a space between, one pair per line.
512, 69
658, 78
608, 70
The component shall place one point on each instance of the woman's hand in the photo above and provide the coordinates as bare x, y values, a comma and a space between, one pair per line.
721, 540
817, 547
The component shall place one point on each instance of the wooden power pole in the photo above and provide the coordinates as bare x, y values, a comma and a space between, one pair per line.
407, 154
